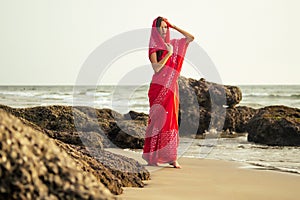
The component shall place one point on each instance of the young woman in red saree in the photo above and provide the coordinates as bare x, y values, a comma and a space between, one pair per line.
166, 56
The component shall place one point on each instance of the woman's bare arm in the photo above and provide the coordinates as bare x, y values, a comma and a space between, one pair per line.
157, 66
188, 36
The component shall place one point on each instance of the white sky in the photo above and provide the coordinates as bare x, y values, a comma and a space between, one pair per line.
45, 42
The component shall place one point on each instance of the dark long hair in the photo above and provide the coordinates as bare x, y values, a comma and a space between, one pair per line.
159, 52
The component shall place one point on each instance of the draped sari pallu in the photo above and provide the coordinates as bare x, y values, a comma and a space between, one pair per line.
162, 139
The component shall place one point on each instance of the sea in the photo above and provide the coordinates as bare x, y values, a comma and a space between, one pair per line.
125, 98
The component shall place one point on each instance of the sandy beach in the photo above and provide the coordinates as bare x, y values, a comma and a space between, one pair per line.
214, 179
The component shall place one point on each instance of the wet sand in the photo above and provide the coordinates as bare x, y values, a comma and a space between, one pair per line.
214, 180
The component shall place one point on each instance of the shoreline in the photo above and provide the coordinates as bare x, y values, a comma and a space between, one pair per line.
215, 179
136, 155
212, 179
239, 164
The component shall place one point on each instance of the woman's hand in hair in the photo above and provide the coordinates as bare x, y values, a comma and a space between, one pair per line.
167, 22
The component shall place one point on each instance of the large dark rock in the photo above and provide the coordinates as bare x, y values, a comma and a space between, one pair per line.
113, 170
89, 164
128, 170
87, 144
33, 167
197, 122
85, 125
237, 118
275, 125
133, 115
189, 110
58, 123
208, 93
128, 133
202, 105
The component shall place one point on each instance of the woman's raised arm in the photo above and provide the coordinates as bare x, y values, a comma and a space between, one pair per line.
188, 36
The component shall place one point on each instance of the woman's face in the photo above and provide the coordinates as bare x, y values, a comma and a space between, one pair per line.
163, 29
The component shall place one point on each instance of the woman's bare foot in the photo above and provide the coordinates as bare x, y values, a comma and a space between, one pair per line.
175, 164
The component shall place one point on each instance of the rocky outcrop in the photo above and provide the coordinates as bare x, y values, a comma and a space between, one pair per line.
128, 170
86, 146
114, 171
205, 105
275, 125
128, 133
89, 165
237, 118
85, 125
33, 167
202, 108
208, 93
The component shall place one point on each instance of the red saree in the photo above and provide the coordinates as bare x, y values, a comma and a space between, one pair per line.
161, 139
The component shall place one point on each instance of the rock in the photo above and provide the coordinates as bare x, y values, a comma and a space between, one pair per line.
237, 118
57, 122
75, 125
133, 115
89, 165
208, 93
193, 92
128, 133
85, 146
189, 111
113, 170
33, 167
128, 170
197, 122
275, 125
202, 105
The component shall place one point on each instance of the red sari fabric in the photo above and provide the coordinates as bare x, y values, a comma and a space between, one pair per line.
161, 139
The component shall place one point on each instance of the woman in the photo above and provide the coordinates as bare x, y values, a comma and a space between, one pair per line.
166, 56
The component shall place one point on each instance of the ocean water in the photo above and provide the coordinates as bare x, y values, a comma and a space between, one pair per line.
258, 96
126, 98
